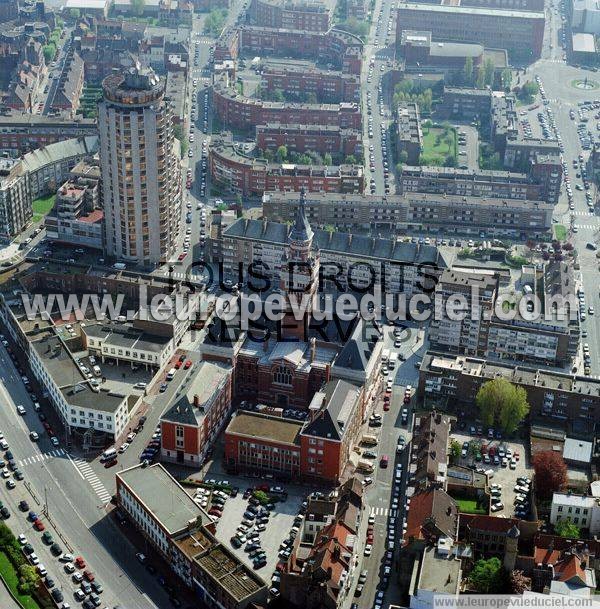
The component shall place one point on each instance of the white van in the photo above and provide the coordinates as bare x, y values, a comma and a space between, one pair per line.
97, 370
108, 455
171, 374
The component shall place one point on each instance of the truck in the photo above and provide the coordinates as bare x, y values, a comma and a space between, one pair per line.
369, 440
393, 360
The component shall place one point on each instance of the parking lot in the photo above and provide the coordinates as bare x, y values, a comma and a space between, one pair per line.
277, 528
500, 475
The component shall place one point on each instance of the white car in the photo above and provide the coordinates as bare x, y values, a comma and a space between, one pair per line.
22, 539
123, 447
21, 409
368, 549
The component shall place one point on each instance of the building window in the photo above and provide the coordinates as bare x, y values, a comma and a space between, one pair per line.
282, 376
179, 431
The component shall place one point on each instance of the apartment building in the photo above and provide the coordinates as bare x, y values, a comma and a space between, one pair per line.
15, 198
409, 137
240, 174
141, 180
467, 103
22, 133
239, 112
565, 400
331, 139
194, 416
540, 183
296, 82
76, 217
185, 536
360, 260
520, 32
81, 405
468, 335
308, 15
341, 49
430, 445
581, 510
432, 211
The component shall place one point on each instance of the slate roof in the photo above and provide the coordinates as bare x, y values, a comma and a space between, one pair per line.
340, 399
357, 351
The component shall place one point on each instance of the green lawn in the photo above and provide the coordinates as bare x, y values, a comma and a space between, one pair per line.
435, 148
42, 206
468, 506
11, 579
560, 232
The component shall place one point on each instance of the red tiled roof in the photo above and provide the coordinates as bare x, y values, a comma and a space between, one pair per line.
491, 523
546, 556
93, 217
434, 502
569, 569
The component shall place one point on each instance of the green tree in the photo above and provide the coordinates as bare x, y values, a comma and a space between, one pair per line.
215, 21
327, 160
566, 528
351, 159
507, 79
138, 6
311, 98
74, 13
49, 51
528, 91
450, 161
28, 579
455, 450
487, 576
277, 95
499, 400
480, 78
262, 497
403, 157
468, 71
281, 154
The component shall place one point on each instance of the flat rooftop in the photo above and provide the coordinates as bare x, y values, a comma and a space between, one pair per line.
163, 497
471, 10
439, 574
265, 427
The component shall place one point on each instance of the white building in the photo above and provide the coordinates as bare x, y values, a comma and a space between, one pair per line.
140, 168
80, 404
581, 510
586, 16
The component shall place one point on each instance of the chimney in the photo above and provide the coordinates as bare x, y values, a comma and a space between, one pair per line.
196, 401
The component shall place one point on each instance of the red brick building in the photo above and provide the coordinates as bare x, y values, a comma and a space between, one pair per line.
302, 138
191, 421
239, 112
328, 86
339, 48
291, 14
317, 449
247, 176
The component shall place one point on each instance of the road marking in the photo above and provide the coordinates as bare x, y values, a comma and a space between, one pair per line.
88, 474
41, 457
379, 511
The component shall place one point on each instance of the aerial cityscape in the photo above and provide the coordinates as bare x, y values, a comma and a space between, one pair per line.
297, 304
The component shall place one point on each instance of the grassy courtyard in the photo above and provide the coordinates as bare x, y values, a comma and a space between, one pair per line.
438, 145
468, 506
12, 581
42, 206
560, 232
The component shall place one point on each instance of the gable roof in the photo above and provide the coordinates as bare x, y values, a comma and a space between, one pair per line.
432, 514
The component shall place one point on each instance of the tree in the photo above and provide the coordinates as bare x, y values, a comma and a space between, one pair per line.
49, 51
519, 583
487, 576
566, 528
28, 579
138, 7
455, 450
501, 401
74, 13
281, 154
327, 160
528, 91
507, 78
480, 79
262, 497
350, 159
403, 157
468, 71
278, 96
550, 473
311, 98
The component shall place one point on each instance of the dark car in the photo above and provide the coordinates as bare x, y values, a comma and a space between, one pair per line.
23, 505
49, 582
56, 549
5, 512
57, 595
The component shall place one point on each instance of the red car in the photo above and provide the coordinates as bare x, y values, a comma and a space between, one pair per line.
38, 525
370, 530
79, 562
110, 463
407, 399
88, 575
187, 364
386, 406
177, 365
181, 257
215, 512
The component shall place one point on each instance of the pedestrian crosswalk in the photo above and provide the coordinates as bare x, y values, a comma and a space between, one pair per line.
59, 452
379, 511
590, 226
88, 473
